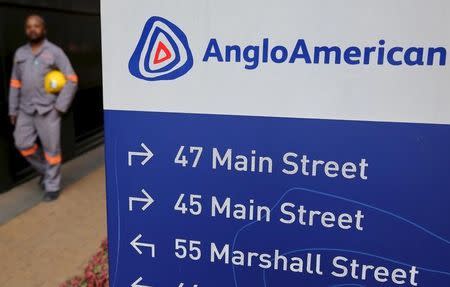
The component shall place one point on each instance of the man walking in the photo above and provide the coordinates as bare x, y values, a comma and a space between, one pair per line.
36, 113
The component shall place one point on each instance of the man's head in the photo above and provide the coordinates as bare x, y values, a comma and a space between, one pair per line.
35, 28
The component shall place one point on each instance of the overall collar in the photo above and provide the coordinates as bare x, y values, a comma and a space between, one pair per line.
42, 48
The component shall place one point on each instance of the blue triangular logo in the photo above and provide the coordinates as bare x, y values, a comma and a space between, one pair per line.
162, 52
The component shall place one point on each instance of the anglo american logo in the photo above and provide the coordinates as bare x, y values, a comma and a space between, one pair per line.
163, 53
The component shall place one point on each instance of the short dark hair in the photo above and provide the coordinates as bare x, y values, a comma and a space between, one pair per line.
39, 17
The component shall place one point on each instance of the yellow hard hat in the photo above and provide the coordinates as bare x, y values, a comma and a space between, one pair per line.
54, 81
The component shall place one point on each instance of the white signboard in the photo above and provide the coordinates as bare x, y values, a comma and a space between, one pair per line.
268, 143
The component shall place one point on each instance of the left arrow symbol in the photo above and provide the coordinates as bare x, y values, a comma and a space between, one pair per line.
136, 283
147, 153
147, 199
137, 244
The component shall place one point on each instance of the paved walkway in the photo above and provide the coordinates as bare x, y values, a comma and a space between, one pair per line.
50, 242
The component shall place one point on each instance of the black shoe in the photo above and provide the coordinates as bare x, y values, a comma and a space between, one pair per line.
51, 196
41, 183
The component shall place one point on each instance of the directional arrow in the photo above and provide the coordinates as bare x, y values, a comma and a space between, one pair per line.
147, 199
182, 285
136, 283
136, 245
147, 154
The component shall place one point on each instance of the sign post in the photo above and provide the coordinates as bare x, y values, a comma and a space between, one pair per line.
268, 143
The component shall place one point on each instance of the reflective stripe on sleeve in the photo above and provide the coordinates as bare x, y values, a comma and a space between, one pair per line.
15, 83
73, 78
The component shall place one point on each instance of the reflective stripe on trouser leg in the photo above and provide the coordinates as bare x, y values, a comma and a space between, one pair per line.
25, 136
35, 159
29, 151
53, 172
53, 159
49, 128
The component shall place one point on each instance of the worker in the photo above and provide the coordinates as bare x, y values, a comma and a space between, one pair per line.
36, 113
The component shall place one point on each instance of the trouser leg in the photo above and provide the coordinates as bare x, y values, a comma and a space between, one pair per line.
25, 135
49, 128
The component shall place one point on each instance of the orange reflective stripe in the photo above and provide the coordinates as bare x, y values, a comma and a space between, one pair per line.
53, 160
30, 151
15, 83
73, 78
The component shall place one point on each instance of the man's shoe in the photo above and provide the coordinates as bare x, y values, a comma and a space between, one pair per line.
51, 196
41, 183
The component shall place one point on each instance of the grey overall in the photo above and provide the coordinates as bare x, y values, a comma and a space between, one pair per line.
38, 112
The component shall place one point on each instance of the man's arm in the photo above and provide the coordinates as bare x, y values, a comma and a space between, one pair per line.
67, 94
15, 85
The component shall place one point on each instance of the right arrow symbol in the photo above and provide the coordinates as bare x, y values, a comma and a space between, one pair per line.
147, 153
136, 283
147, 199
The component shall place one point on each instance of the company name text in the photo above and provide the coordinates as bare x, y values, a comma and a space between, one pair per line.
301, 52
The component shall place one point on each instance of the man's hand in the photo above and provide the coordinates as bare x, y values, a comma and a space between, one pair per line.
13, 120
